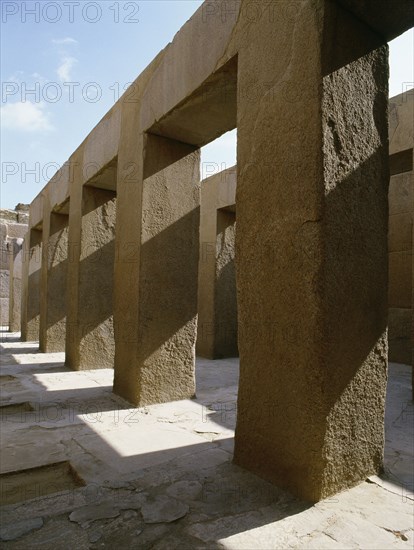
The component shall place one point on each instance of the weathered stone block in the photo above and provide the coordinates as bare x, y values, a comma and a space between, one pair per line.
225, 317
160, 338
400, 233
217, 302
400, 194
4, 255
32, 259
4, 283
400, 279
312, 288
4, 311
90, 340
15, 306
400, 335
16, 230
9, 215
23, 217
401, 126
53, 296
3, 231
388, 18
21, 207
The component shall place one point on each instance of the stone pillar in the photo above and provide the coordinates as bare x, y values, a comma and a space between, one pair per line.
225, 295
401, 223
156, 270
311, 249
24, 285
15, 284
54, 281
90, 332
217, 300
32, 264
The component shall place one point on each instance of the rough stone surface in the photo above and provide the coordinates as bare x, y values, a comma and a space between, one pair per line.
185, 490
400, 335
164, 510
4, 297
225, 287
322, 255
90, 327
217, 302
387, 22
22, 218
4, 283
20, 528
401, 126
9, 215
12, 230
15, 304
21, 207
15, 289
90, 513
4, 311
16, 230
32, 259
355, 250
4, 255
400, 233
168, 252
54, 282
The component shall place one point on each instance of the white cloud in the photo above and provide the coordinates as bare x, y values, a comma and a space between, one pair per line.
27, 117
65, 68
67, 40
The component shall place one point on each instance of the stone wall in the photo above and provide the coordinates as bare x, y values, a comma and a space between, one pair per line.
15, 287
13, 227
400, 235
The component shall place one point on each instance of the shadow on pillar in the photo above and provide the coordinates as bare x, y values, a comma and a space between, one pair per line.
168, 320
54, 286
31, 294
158, 365
217, 331
225, 295
93, 333
337, 363
313, 372
90, 340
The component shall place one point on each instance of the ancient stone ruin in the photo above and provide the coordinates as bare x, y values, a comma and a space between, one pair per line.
132, 263
124, 215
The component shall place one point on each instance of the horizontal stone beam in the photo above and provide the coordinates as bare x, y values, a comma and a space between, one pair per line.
389, 18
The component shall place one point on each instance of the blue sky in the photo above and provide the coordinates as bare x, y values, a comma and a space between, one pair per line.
64, 64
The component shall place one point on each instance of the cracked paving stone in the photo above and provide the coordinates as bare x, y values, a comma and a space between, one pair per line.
164, 510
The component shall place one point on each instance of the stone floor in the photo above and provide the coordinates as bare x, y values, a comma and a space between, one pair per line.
162, 477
